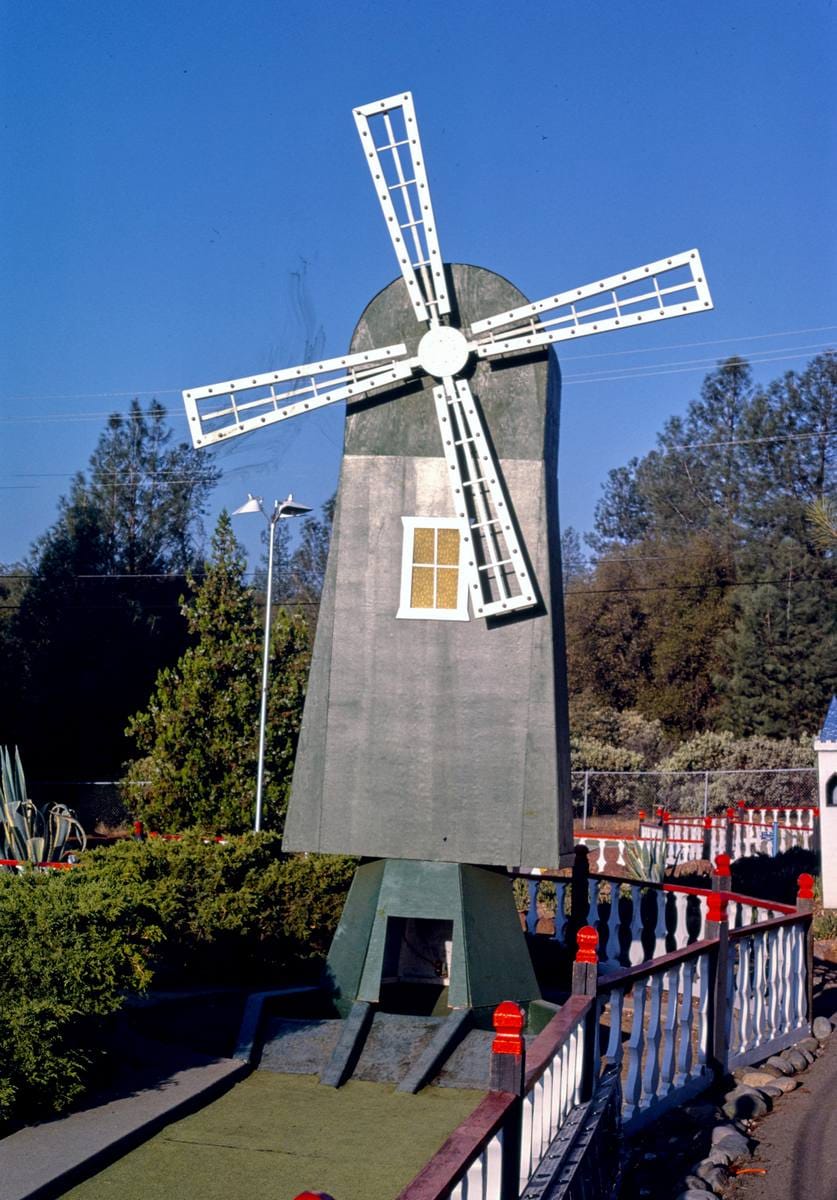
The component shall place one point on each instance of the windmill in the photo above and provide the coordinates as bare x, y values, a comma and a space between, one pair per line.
435, 738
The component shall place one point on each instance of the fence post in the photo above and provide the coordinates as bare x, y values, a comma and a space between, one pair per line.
139, 831
717, 928
815, 835
508, 1050
584, 983
774, 841
639, 824
805, 904
730, 831
705, 793
707, 838
507, 1074
586, 789
580, 900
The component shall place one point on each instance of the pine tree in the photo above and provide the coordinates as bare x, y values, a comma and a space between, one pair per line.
198, 735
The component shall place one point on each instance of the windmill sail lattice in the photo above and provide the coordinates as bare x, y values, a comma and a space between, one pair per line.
501, 579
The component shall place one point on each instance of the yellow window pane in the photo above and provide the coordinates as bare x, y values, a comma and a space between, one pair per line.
446, 587
421, 591
449, 547
423, 547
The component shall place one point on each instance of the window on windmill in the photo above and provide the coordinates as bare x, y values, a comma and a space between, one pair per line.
433, 582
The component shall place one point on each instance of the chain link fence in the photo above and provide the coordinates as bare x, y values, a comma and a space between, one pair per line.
690, 793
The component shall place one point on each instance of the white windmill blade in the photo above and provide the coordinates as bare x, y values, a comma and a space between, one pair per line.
671, 287
499, 577
224, 410
390, 138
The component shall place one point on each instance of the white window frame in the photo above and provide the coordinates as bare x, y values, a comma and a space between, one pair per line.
405, 610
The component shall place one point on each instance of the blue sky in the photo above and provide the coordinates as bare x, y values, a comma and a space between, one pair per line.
184, 200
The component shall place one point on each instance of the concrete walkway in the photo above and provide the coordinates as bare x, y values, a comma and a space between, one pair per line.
42, 1161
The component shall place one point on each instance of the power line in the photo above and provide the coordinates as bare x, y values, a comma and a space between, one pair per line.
647, 370
691, 587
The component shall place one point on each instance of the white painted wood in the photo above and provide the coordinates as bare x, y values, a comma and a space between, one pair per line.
636, 1043
685, 1014
670, 983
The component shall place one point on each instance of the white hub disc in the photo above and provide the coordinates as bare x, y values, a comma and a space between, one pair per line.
443, 351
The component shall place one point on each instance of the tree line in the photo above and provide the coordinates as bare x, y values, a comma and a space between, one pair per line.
709, 604
129, 649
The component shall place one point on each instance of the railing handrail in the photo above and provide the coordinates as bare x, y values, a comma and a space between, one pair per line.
607, 983
460, 1149
553, 1036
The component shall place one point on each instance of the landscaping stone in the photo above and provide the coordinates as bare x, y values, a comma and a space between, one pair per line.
796, 1059
786, 1083
714, 1175
781, 1064
694, 1194
822, 1028
729, 1133
758, 1078
807, 1054
771, 1090
811, 1044
721, 1156
744, 1103
692, 1184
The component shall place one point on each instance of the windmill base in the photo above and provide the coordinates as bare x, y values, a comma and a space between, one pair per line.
429, 936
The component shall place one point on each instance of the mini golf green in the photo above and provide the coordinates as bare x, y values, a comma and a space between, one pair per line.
273, 1136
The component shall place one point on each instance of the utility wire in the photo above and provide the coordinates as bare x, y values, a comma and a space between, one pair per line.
599, 377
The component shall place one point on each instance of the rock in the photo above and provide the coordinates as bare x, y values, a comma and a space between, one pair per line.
807, 1054
694, 1194
786, 1084
758, 1078
735, 1143
796, 1059
712, 1174
721, 1132
743, 1103
822, 1028
772, 1090
780, 1064
720, 1155
810, 1044
693, 1184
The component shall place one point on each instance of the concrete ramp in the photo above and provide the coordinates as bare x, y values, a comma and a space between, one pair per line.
412, 1051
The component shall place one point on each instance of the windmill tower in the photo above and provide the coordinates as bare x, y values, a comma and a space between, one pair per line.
434, 739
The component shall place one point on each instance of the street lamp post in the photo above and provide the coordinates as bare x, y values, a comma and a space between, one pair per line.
282, 509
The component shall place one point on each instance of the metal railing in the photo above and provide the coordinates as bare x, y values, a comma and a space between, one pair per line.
696, 793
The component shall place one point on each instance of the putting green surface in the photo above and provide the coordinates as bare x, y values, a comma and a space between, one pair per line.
273, 1136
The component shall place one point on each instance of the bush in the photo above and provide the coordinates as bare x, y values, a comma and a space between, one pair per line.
237, 911
73, 944
70, 948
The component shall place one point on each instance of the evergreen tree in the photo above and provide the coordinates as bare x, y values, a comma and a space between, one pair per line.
98, 615
198, 735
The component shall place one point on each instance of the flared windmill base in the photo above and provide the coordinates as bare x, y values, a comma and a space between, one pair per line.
430, 933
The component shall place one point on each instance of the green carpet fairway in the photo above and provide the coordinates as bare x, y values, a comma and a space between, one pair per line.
273, 1136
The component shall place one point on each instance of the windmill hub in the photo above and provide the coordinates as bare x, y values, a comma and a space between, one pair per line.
443, 351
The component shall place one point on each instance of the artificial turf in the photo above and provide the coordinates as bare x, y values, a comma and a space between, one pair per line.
273, 1136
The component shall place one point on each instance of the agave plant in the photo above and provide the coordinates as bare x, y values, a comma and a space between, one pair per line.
29, 833
648, 860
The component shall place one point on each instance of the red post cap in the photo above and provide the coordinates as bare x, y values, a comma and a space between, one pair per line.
741, 804
716, 907
659, 810
730, 814
707, 822
805, 883
666, 815
508, 1021
722, 865
588, 940
642, 814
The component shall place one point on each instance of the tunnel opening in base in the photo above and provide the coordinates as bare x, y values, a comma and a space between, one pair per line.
417, 963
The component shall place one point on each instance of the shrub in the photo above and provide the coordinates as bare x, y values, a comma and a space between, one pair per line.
241, 910
69, 951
